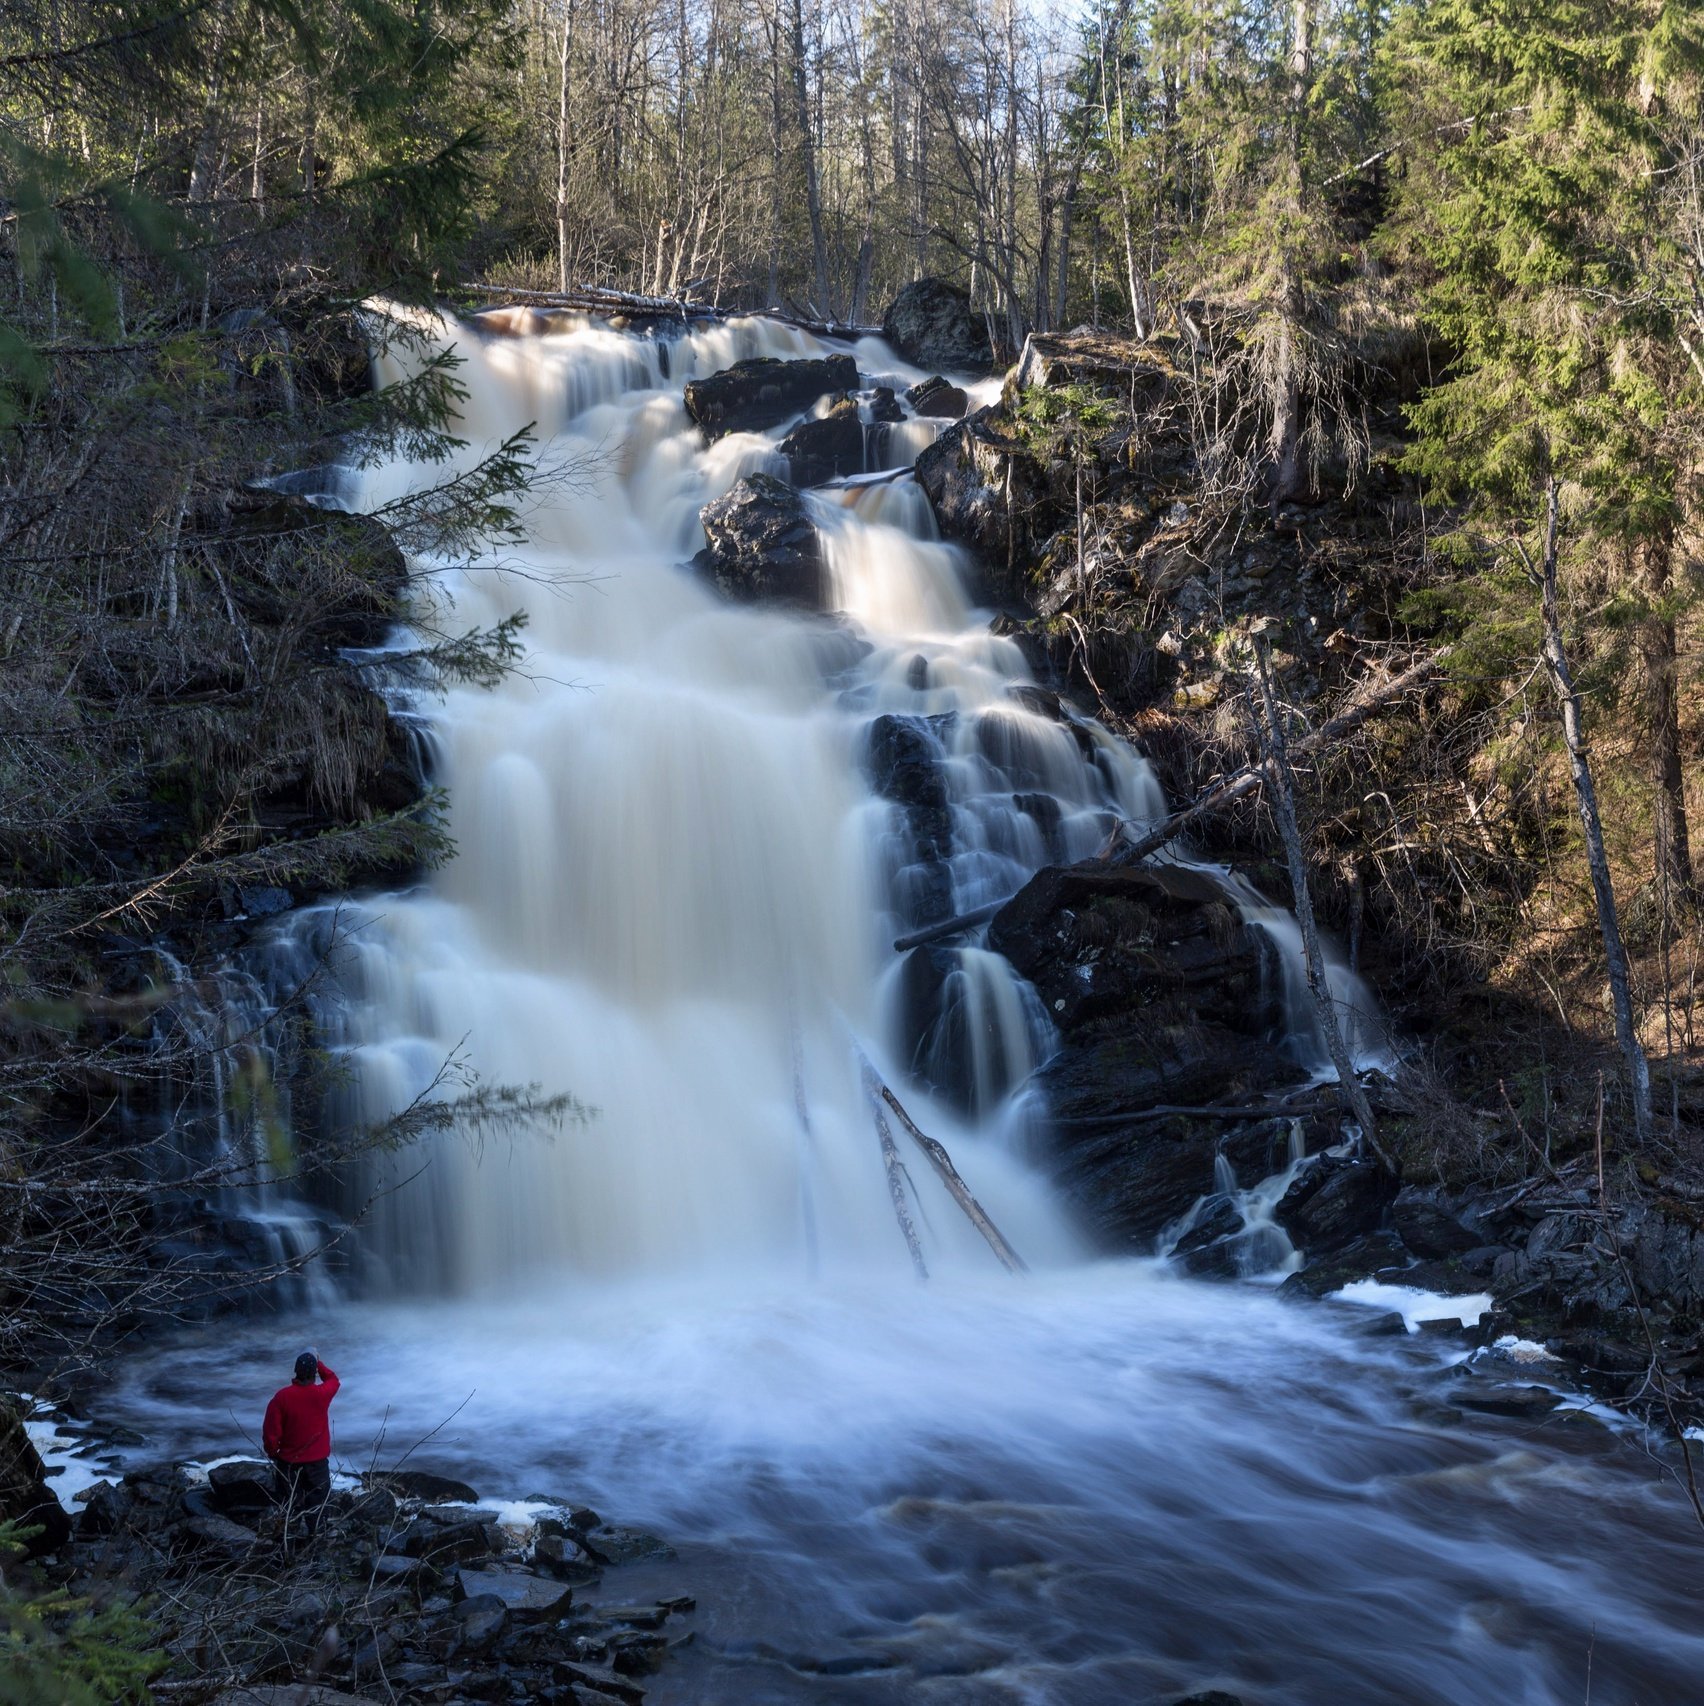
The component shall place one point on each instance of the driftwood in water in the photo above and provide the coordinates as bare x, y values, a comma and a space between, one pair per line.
949, 926
594, 299
895, 1177
942, 1162
1222, 793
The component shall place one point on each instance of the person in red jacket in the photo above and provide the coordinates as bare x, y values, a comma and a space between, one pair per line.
296, 1436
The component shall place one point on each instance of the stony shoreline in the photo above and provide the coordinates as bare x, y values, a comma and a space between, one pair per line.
413, 1589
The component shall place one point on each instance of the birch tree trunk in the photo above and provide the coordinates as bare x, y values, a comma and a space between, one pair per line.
1603, 890
1319, 983
564, 147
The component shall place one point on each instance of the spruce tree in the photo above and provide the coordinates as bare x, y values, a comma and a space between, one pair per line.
1538, 140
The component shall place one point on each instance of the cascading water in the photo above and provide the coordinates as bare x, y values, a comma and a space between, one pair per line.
676, 886
688, 833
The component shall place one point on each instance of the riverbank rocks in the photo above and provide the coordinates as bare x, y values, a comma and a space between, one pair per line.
752, 396
936, 398
931, 323
341, 1617
762, 546
831, 447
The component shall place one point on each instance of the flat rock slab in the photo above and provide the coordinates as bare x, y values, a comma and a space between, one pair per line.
531, 1598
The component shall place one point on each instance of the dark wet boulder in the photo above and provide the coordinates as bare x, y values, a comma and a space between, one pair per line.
752, 396
1167, 1002
106, 1510
939, 399
905, 759
422, 1484
210, 1532
481, 1623
1422, 1221
610, 1544
1359, 1259
932, 324
762, 546
832, 447
1096, 940
528, 1598
1210, 1247
884, 406
242, 1487
1336, 1200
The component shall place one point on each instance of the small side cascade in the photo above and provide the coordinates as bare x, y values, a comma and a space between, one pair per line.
228, 1061
1231, 1231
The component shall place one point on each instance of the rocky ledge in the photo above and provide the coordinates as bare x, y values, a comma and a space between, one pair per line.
412, 1591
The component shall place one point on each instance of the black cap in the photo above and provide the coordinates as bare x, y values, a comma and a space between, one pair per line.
307, 1366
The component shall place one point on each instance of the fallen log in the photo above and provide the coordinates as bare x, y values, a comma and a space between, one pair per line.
942, 1162
895, 1174
598, 300
949, 926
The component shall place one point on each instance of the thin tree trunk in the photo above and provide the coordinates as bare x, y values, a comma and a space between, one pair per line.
1325, 1007
564, 147
1657, 647
807, 153
1609, 925
895, 1169
1287, 356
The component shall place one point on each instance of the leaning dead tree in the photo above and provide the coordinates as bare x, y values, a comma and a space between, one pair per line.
938, 1158
1556, 665
1283, 798
881, 1098
895, 1174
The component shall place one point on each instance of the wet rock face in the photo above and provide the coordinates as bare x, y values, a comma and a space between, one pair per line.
752, 396
931, 324
983, 487
1335, 1201
762, 546
1096, 940
1164, 999
831, 448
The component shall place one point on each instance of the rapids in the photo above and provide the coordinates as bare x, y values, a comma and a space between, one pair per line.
674, 899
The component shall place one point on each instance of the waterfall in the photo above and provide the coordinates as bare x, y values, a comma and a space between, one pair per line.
679, 872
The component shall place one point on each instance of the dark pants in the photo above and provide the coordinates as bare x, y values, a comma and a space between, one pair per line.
302, 1489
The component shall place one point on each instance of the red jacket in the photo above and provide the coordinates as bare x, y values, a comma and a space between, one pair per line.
296, 1429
